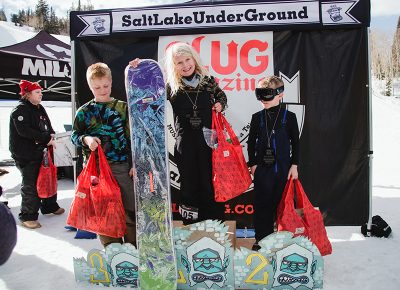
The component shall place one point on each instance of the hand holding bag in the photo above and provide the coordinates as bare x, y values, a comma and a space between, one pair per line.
231, 176
46, 183
97, 206
310, 224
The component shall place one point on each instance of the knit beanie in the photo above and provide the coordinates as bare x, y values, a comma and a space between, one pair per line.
27, 86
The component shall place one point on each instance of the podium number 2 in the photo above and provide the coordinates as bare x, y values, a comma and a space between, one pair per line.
263, 263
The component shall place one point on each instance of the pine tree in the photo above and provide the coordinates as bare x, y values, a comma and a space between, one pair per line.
22, 17
42, 13
3, 16
388, 91
52, 25
14, 19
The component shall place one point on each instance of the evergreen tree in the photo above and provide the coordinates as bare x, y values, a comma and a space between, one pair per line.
14, 19
22, 17
42, 14
388, 91
3, 16
52, 26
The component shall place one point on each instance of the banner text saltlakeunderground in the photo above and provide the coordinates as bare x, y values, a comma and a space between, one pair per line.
206, 16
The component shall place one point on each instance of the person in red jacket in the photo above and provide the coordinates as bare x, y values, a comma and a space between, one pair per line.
30, 133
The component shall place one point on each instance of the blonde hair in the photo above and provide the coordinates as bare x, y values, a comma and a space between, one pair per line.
97, 71
271, 82
173, 77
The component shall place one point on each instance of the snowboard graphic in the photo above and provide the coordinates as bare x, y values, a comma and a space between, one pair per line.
146, 97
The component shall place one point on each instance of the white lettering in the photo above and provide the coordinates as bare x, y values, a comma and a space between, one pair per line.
45, 68
30, 68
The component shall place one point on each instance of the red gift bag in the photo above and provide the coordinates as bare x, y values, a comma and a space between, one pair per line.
310, 223
231, 176
46, 183
97, 206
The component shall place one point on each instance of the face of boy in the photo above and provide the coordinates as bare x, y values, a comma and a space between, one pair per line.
274, 102
101, 89
185, 65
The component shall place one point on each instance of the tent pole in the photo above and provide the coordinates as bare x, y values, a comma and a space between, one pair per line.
73, 103
371, 149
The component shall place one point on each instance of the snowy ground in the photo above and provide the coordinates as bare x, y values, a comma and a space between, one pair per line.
42, 259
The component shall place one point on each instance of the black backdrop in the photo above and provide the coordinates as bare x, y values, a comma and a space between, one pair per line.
334, 158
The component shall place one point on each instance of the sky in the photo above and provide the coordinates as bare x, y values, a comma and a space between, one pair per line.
42, 258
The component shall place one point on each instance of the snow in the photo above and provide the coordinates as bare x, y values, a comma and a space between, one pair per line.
42, 258
11, 34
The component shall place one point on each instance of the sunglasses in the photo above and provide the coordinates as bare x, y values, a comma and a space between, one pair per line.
268, 94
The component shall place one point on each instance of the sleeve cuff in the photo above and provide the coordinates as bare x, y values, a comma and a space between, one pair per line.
81, 141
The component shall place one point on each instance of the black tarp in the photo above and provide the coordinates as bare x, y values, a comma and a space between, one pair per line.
330, 52
42, 58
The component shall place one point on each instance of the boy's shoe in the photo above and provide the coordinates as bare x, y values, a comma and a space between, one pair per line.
81, 234
31, 224
59, 211
255, 247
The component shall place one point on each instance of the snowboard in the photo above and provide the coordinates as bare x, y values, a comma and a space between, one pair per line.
146, 98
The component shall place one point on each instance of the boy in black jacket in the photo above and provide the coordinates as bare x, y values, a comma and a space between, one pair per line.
273, 149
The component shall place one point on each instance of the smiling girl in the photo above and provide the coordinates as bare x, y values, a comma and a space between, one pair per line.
193, 94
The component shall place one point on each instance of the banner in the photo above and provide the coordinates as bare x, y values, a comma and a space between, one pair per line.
325, 73
220, 16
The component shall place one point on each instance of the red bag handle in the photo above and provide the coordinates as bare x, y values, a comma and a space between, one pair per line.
104, 167
228, 127
302, 198
219, 123
288, 190
217, 126
90, 167
289, 194
50, 152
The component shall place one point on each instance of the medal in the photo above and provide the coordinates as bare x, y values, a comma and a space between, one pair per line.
195, 120
269, 157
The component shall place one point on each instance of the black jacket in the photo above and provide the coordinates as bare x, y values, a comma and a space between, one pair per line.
290, 125
30, 130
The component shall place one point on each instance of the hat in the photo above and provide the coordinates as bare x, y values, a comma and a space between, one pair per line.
8, 233
27, 86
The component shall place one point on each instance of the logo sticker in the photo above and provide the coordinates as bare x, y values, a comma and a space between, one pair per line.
98, 24
334, 13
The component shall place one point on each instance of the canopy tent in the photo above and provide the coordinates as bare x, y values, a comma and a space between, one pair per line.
42, 58
320, 50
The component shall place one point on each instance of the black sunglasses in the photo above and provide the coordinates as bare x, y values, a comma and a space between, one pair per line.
268, 94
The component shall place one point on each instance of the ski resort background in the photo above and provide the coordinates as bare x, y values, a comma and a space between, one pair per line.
346, 269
